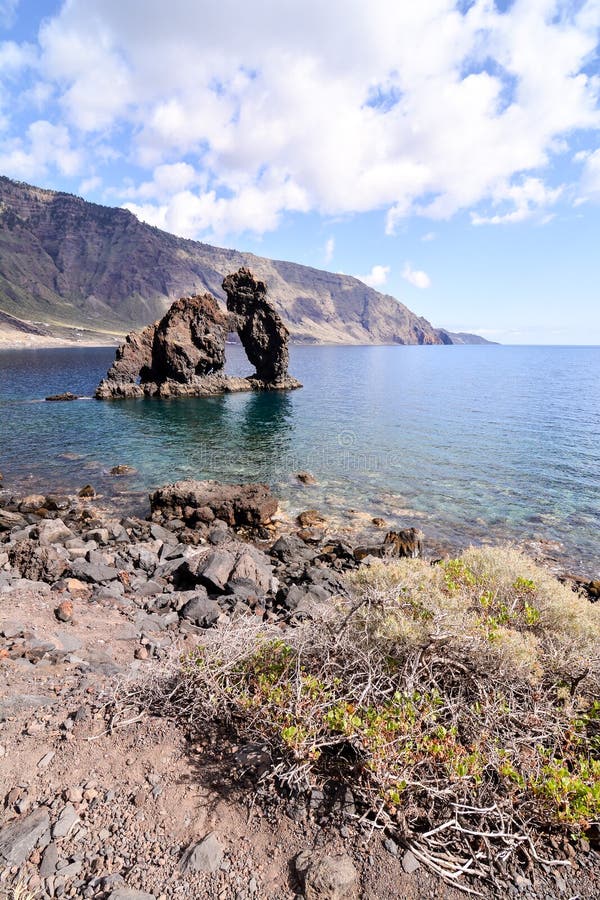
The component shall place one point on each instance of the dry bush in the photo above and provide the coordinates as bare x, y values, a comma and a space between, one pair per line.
457, 702
18, 892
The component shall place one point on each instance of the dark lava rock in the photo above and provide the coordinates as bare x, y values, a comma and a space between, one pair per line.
122, 470
94, 572
405, 543
183, 354
289, 547
190, 340
236, 504
133, 362
201, 611
260, 328
215, 568
593, 590
57, 398
306, 478
19, 837
36, 563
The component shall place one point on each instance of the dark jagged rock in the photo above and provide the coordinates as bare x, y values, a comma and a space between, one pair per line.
133, 363
62, 398
260, 328
183, 354
405, 543
236, 504
190, 340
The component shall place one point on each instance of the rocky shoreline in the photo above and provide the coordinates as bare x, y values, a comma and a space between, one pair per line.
208, 552
103, 801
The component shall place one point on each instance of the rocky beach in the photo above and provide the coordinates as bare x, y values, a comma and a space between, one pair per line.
105, 798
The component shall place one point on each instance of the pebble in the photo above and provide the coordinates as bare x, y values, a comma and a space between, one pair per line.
64, 611
46, 759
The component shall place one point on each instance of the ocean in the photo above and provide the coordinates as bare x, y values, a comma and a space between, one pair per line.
469, 443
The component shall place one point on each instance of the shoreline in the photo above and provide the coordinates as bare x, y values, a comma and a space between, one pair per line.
356, 530
103, 608
43, 342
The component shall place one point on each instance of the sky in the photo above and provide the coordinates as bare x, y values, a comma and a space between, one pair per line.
447, 152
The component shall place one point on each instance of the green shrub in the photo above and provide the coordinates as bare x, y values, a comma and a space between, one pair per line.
460, 696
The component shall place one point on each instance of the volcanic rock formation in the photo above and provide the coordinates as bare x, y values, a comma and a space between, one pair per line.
261, 330
183, 354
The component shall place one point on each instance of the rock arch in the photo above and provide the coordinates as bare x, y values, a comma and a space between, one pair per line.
183, 354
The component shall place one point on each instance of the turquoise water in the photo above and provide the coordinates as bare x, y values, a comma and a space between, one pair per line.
469, 443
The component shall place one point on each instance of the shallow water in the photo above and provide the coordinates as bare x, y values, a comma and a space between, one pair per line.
470, 443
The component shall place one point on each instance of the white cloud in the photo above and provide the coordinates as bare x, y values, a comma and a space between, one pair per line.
377, 277
89, 185
339, 108
590, 180
14, 57
47, 147
526, 200
429, 236
329, 249
416, 277
8, 9
251, 209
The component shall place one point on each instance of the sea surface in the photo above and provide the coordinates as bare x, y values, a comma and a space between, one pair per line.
471, 444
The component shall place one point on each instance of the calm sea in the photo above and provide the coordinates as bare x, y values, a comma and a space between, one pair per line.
469, 443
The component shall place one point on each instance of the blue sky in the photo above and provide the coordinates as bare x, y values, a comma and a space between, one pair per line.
446, 152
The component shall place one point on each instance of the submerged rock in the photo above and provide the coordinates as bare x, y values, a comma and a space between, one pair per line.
183, 354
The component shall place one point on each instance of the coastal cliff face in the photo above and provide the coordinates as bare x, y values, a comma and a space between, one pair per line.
66, 262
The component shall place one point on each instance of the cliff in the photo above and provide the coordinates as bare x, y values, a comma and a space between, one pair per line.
67, 262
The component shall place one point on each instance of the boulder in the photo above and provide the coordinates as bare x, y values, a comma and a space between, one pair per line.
53, 531
289, 548
311, 518
94, 572
405, 543
325, 877
10, 520
205, 856
19, 837
201, 611
190, 340
236, 504
37, 563
253, 566
31, 503
306, 478
215, 568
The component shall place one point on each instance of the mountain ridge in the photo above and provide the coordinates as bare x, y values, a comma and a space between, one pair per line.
66, 263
